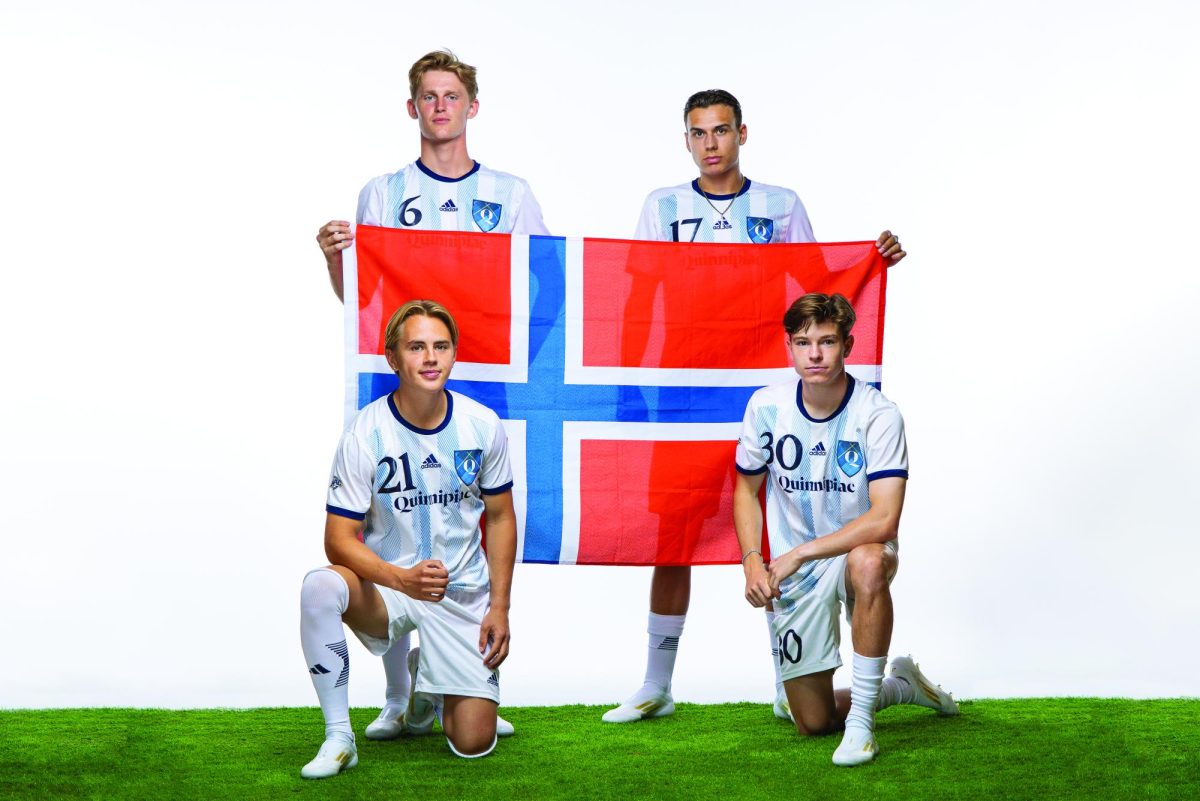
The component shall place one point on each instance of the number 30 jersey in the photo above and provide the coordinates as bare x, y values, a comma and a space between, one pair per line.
420, 491
758, 214
483, 200
818, 470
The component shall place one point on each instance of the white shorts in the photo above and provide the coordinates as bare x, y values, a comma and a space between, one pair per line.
450, 662
808, 634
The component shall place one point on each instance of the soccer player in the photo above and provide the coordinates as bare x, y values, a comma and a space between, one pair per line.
833, 448
414, 474
445, 189
721, 205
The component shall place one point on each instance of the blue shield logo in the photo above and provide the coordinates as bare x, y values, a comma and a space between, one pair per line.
467, 464
849, 457
760, 229
486, 215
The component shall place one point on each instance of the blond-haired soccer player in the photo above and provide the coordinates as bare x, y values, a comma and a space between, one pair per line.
720, 205
444, 189
415, 473
834, 452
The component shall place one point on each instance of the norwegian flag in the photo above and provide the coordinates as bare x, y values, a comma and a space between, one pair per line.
621, 369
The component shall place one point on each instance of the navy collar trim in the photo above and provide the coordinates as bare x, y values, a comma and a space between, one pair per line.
696, 187
850, 382
400, 419
446, 180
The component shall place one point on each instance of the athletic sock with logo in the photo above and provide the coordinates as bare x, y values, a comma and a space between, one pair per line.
864, 690
664, 631
323, 600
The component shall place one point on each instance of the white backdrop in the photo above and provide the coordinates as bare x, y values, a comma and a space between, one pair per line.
173, 351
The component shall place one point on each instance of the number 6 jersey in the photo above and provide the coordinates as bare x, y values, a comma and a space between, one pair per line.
819, 469
420, 491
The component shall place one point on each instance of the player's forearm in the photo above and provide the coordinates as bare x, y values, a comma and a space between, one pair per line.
875, 526
350, 552
747, 521
334, 266
501, 556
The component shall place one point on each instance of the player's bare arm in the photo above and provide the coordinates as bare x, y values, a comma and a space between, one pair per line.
424, 581
889, 247
333, 237
878, 525
501, 555
748, 523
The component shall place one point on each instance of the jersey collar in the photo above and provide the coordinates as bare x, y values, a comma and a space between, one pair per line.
696, 188
850, 382
443, 178
445, 421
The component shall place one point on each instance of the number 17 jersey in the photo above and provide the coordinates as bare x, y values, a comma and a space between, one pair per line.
758, 214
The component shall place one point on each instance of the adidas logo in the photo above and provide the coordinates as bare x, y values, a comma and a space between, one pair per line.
722, 225
318, 670
494, 680
430, 461
818, 450
448, 206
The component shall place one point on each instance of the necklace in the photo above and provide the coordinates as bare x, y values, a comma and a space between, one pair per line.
731, 200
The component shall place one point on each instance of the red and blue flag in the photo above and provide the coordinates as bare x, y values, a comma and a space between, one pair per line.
621, 369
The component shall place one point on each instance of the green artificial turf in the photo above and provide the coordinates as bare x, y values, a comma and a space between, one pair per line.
1010, 749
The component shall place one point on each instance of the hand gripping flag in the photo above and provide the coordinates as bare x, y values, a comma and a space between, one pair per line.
621, 369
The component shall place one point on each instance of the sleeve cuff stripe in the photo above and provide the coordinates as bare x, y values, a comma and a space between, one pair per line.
497, 490
335, 510
748, 472
887, 474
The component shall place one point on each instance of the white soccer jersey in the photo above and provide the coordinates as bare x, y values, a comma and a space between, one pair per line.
421, 491
818, 469
482, 200
758, 214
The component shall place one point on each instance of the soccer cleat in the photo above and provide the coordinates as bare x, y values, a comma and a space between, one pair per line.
421, 711
856, 748
641, 706
388, 726
925, 692
336, 754
783, 710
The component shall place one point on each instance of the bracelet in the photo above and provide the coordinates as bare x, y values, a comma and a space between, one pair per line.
747, 556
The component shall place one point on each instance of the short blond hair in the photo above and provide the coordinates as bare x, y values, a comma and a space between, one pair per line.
442, 61
424, 308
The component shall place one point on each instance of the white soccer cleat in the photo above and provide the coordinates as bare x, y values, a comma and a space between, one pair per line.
782, 709
388, 726
504, 728
856, 748
419, 717
655, 704
336, 754
925, 692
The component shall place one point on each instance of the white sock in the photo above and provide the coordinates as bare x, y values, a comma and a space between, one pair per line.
323, 599
774, 652
664, 631
894, 691
395, 667
864, 691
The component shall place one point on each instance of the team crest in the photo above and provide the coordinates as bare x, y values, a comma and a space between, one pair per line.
849, 457
485, 214
467, 464
760, 229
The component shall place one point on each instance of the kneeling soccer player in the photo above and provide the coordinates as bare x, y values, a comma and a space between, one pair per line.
414, 474
834, 449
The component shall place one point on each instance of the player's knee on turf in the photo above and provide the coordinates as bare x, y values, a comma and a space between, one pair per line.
869, 567
470, 725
